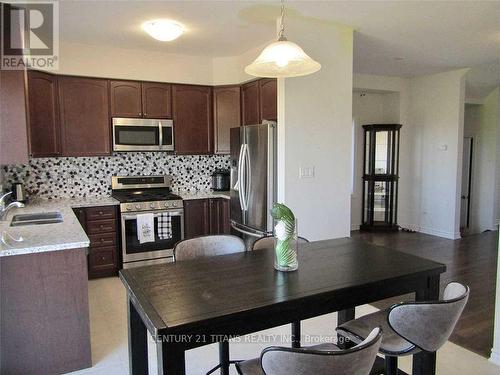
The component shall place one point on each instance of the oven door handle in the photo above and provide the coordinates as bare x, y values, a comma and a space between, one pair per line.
134, 216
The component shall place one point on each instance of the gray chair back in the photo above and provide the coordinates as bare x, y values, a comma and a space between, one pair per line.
205, 246
429, 325
358, 360
268, 242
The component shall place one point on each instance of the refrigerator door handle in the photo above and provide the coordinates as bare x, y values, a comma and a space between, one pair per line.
244, 178
257, 234
239, 183
248, 177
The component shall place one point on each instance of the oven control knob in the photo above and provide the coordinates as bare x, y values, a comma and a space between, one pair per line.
166, 204
174, 204
152, 205
138, 206
129, 208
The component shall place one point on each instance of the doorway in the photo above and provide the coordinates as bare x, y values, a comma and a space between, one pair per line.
467, 164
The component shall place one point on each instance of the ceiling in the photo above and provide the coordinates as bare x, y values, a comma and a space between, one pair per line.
398, 38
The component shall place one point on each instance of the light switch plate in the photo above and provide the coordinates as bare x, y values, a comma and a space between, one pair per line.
306, 172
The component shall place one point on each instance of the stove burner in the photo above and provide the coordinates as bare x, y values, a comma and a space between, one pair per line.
150, 195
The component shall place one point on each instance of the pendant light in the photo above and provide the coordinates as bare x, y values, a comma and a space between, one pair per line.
282, 58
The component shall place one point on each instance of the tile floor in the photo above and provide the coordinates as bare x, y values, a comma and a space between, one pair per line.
108, 320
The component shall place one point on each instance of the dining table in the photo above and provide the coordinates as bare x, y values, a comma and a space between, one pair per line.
206, 300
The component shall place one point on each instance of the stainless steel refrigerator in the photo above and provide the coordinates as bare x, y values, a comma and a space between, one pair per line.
253, 178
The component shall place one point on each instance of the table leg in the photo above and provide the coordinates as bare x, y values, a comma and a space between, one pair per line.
171, 358
296, 334
424, 363
342, 317
137, 342
224, 357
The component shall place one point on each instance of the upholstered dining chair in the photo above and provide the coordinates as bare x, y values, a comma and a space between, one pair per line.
268, 243
323, 359
411, 327
206, 246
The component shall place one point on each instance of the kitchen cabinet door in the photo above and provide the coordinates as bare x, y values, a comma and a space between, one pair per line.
250, 108
192, 114
156, 100
227, 115
126, 98
13, 118
84, 109
268, 99
196, 218
219, 216
44, 130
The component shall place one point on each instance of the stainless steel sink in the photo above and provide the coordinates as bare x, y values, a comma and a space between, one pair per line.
34, 219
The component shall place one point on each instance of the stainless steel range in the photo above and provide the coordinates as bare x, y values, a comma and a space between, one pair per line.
148, 196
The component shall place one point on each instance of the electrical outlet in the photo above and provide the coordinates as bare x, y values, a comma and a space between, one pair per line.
306, 172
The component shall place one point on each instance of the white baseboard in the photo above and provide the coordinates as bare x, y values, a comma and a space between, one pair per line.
440, 233
495, 356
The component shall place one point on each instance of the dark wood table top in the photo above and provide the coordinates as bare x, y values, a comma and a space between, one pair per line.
175, 296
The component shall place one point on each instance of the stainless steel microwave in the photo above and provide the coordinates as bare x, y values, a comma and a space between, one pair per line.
135, 134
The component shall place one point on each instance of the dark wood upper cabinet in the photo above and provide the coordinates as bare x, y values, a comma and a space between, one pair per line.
196, 218
250, 107
126, 99
44, 134
84, 109
192, 114
156, 100
268, 99
227, 115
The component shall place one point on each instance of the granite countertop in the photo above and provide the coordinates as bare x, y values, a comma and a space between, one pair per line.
66, 235
49, 237
202, 194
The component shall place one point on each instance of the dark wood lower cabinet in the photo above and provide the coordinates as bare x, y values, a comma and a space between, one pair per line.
196, 218
219, 216
101, 226
206, 216
44, 313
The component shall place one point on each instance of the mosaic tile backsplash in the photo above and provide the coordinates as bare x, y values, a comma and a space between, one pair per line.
91, 176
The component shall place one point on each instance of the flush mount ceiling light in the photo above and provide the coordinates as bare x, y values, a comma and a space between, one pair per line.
163, 30
282, 58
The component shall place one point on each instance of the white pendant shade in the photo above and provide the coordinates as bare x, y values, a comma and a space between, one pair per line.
282, 59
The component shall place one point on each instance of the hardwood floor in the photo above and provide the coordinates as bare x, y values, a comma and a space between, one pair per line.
471, 260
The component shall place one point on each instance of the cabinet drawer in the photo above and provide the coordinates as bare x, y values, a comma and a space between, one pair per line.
102, 258
100, 213
100, 240
101, 226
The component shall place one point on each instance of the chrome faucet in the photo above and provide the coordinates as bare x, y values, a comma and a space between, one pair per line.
4, 209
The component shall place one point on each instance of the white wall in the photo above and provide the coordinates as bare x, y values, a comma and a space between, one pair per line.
399, 111
111, 62
230, 70
437, 110
485, 128
368, 108
315, 126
